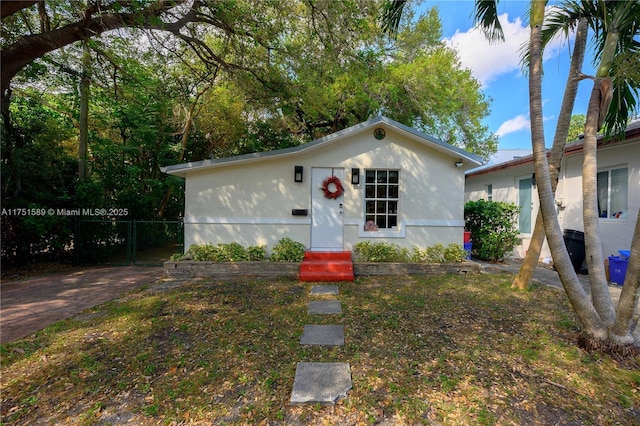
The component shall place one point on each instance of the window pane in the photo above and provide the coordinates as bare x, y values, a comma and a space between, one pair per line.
370, 191
619, 190
370, 176
381, 197
603, 191
371, 206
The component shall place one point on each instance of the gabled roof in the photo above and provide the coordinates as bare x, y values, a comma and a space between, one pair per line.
430, 141
632, 131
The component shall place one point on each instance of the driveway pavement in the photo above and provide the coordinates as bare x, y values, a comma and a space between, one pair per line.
30, 305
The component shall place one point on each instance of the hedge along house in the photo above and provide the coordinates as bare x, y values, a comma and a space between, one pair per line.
378, 180
618, 181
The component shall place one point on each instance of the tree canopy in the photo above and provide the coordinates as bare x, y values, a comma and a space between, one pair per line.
184, 80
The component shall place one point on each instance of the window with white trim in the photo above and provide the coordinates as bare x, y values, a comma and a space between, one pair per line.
613, 188
381, 197
489, 192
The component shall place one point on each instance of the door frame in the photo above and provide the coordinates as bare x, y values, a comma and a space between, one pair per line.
327, 215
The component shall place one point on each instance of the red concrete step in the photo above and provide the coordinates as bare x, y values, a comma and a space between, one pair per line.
326, 266
325, 277
327, 255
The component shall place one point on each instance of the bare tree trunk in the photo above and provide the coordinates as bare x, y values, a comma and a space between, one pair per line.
190, 114
522, 281
579, 299
83, 135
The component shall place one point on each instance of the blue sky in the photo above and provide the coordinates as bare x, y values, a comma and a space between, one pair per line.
497, 67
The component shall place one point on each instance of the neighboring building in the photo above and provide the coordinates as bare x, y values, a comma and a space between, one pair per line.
399, 185
618, 191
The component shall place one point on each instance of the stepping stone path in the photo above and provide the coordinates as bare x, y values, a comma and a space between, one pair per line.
322, 383
330, 335
325, 307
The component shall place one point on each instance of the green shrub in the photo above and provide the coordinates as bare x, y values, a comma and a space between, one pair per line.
287, 250
257, 253
230, 252
366, 251
201, 252
493, 228
454, 253
434, 254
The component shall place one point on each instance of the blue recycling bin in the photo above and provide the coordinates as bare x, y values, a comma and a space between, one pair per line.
468, 247
617, 269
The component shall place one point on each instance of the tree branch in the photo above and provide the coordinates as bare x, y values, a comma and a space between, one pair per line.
28, 48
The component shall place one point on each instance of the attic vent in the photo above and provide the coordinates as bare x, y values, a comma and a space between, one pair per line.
379, 133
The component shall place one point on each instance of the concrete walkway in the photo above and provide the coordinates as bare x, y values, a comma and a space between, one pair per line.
30, 305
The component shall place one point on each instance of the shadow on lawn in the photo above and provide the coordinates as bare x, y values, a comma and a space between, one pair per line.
445, 349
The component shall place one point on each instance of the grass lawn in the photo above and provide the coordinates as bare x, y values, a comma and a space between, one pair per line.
423, 350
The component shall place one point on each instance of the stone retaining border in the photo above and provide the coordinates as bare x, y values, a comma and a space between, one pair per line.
227, 270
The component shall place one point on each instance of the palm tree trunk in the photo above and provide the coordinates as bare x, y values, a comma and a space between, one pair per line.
579, 299
621, 332
593, 249
591, 218
522, 281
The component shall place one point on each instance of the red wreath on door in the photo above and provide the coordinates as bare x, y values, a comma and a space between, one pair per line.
328, 193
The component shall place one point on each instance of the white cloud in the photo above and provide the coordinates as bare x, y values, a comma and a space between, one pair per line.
520, 122
488, 61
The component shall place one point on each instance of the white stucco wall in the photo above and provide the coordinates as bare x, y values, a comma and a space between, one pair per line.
505, 188
615, 234
251, 203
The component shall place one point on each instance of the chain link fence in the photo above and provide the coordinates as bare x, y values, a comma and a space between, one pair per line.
126, 242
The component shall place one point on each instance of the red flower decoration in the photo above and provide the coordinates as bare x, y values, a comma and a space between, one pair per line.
328, 193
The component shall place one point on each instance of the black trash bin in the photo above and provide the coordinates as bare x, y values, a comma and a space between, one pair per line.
574, 241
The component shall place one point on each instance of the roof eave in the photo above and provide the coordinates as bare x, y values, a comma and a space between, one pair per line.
183, 169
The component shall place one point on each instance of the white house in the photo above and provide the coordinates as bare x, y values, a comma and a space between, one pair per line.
618, 190
408, 187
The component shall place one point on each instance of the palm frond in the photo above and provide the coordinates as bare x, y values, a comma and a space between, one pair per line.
391, 15
622, 17
486, 17
626, 92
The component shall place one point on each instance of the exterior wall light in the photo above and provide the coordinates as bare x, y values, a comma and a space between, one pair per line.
355, 176
297, 173
459, 163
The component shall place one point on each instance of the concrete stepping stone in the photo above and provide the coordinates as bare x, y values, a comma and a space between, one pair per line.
324, 290
327, 307
321, 383
329, 335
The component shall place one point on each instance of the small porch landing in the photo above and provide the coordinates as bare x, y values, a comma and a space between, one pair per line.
326, 266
